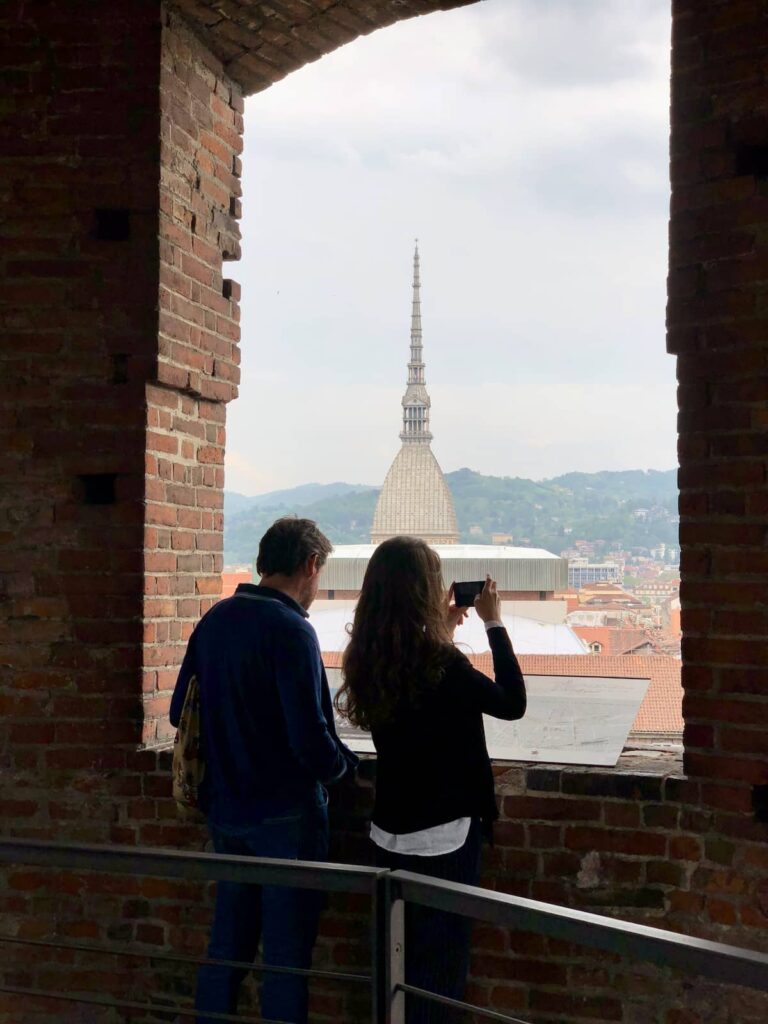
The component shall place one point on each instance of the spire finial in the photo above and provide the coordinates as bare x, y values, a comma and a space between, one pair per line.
416, 400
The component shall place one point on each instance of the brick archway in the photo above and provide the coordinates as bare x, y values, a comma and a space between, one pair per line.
258, 43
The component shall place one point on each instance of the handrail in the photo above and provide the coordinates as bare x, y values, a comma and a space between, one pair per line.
715, 959
143, 861
389, 891
204, 867
144, 954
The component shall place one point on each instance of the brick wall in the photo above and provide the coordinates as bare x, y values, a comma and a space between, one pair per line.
263, 43
78, 308
197, 369
118, 182
119, 354
632, 844
717, 313
120, 179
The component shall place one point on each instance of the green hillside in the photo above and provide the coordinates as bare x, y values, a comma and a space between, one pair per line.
546, 513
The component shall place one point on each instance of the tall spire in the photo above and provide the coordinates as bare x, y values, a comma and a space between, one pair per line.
416, 315
416, 401
415, 499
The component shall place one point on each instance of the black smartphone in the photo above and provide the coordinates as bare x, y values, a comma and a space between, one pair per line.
464, 594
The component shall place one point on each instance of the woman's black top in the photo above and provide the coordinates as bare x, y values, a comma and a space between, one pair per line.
433, 764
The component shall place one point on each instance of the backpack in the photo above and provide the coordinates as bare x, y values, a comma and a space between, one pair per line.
188, 761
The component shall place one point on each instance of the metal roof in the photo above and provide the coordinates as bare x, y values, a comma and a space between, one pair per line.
525, 569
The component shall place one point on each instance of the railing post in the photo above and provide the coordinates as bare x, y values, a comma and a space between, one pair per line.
395, 952
379, 949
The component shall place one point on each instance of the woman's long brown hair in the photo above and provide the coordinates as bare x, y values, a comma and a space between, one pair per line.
399, 642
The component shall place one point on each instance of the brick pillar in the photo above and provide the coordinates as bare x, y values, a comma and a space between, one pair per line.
78, 310
197, 366
120, 197
718, 327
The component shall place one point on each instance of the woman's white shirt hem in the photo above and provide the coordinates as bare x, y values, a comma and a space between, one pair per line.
427, 842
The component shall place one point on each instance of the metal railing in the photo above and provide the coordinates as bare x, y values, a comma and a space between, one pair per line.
388, 892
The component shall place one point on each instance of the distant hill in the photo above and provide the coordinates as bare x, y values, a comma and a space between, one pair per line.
545, 513
304, 494
234, 503
343, 511
552, 514
653, 484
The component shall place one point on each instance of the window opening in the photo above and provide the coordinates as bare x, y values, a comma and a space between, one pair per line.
543, 251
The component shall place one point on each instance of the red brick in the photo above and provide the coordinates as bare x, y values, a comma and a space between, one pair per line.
744, 741
615, 841
550, 808
684, 848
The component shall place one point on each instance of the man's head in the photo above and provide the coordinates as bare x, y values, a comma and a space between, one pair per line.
291, 554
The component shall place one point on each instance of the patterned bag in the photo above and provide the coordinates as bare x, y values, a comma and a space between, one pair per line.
188, 762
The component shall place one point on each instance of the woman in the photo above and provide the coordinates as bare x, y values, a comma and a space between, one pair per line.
423, 703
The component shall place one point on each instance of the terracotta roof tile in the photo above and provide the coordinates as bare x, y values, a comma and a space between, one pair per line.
231, 580
613, 640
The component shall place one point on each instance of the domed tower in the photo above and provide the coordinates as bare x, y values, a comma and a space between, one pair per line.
415, 499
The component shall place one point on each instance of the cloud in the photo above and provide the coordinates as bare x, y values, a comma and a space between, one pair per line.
535, 428
617, 174
566, 43
541, 428
537, 185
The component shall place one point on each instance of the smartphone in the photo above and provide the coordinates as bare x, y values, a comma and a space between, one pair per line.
464, 594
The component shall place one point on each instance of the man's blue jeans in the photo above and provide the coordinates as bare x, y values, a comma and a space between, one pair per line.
286, 920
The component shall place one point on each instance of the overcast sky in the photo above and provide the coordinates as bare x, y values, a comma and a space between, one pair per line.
525, 144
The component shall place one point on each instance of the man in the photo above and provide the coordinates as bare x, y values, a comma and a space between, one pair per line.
270, 746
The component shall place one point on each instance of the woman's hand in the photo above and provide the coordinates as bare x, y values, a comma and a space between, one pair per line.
488, 602
454, 615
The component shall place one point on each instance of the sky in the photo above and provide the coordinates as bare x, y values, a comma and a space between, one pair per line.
525, 144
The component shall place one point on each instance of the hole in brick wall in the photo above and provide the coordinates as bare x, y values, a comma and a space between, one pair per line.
97, 488
112, 225
193, 224
120, 368
226, 288
760, 802
752, 159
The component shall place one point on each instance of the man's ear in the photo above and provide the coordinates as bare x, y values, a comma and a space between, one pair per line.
311, 568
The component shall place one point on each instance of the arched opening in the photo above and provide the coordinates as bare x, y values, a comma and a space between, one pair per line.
519, 172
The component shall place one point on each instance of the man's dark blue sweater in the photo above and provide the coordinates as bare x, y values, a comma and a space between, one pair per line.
266, 718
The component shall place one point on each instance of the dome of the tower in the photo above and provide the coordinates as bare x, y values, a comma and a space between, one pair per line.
415, 500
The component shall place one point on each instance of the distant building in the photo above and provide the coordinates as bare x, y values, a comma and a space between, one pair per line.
581, 573
522, 574
606, 604
612, 641
501, 538
657, 590
415, 498
670, 617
